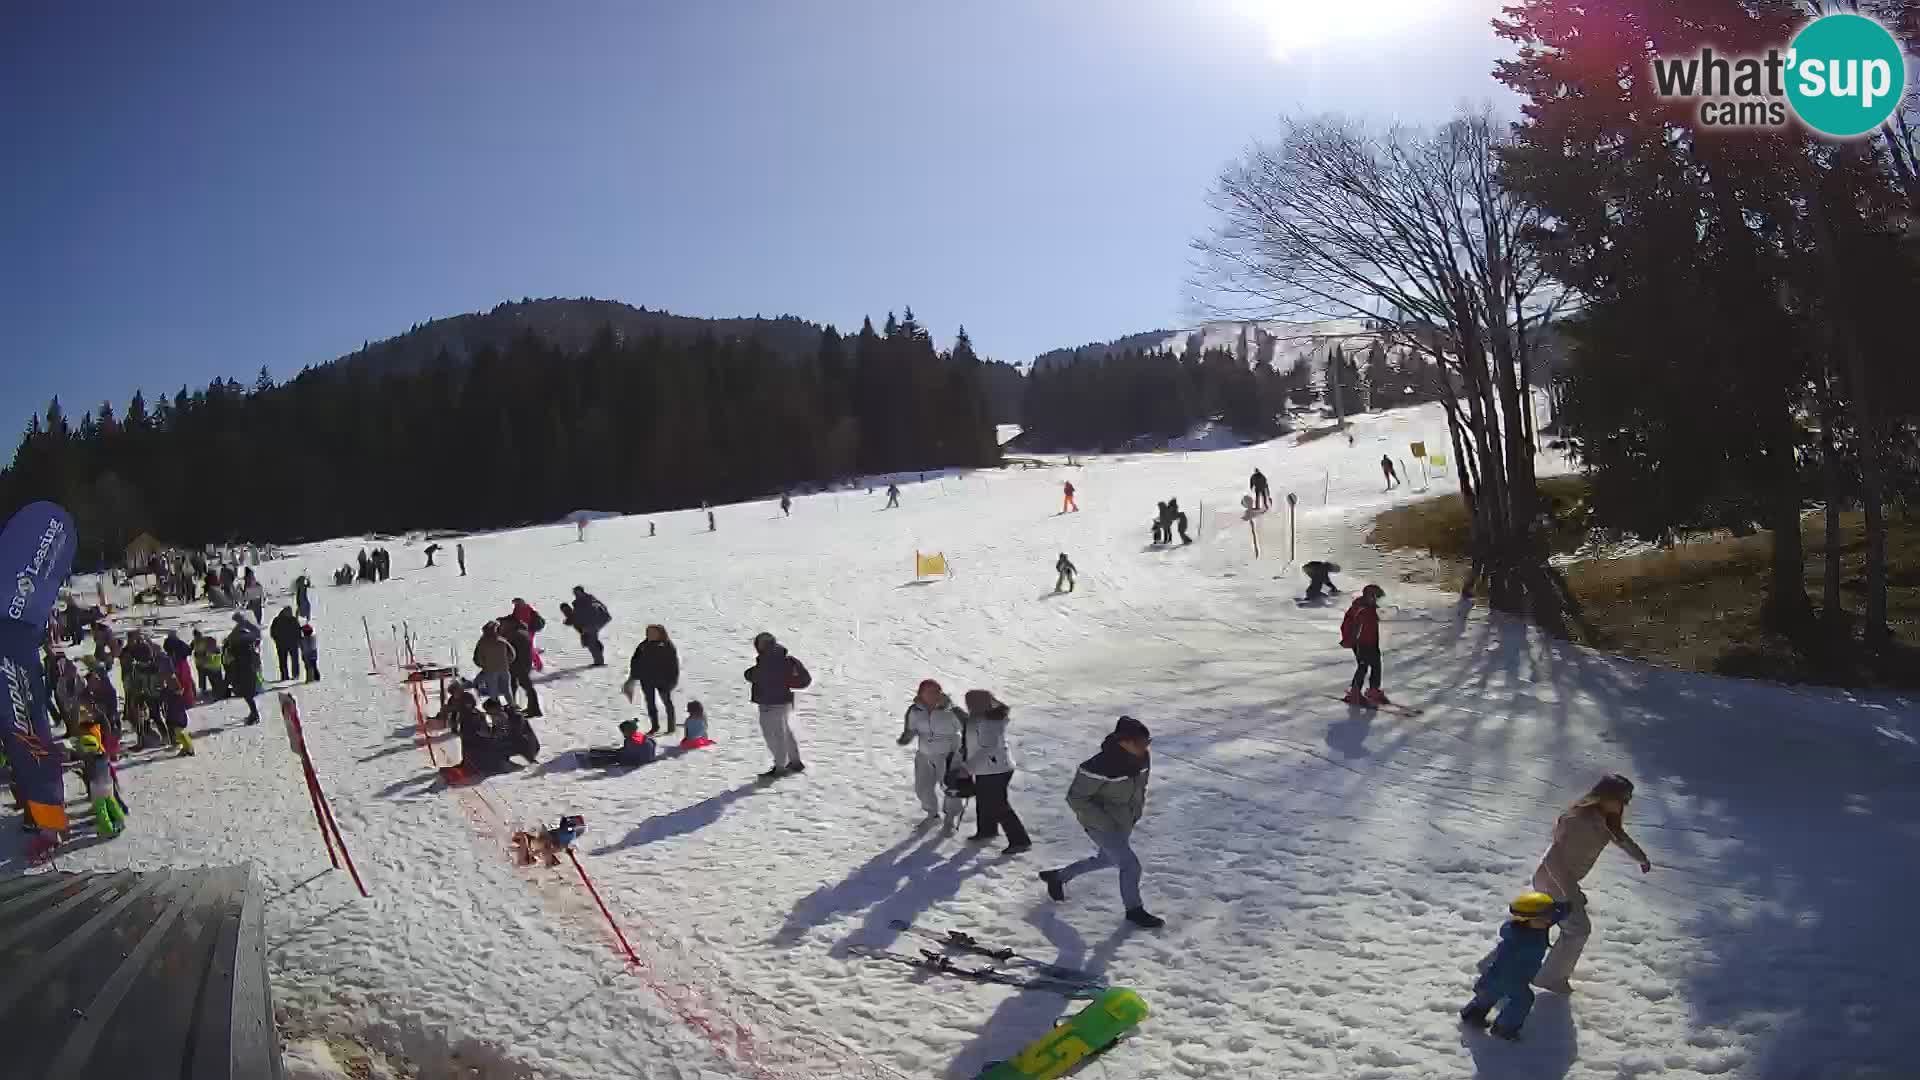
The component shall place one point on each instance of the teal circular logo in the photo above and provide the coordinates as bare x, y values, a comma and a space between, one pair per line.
1845, 75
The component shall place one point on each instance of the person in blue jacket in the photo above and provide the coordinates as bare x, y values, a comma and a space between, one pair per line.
1522, 949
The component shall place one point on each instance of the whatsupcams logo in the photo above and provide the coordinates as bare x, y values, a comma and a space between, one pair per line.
1842, 75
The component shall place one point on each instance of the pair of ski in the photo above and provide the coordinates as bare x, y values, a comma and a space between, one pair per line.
1024, 971
1389, 707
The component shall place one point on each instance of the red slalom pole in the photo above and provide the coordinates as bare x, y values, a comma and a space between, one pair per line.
595, 893
344, 853
320, 818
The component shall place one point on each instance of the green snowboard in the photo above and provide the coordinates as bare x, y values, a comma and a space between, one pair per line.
1074, 1040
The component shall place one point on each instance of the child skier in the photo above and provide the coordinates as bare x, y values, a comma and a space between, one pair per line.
310, 652
173, 705
1522, 948
1067, 505
1063, 566
1360, 631
108, 817
893, 497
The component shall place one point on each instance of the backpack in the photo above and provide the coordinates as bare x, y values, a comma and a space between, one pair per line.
958, 781
1347, 628
798, 678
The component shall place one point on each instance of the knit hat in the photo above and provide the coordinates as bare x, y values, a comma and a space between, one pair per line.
1129, 728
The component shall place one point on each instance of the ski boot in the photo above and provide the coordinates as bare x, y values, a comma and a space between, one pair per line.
1377, 697
1353, 697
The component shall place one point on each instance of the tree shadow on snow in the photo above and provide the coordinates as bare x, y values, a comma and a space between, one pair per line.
1547, 1049
1025, 1016
687, 819
899, 883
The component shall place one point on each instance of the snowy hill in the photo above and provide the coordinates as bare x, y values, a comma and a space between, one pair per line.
1330, 876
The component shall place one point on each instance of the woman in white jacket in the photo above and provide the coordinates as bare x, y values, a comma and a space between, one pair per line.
990, 760
934, 722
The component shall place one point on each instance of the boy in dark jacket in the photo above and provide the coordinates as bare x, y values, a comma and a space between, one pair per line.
1108, 796
1360, 631
1522, 949
634, 749
588, 616
775, 675
285, 631
310, 652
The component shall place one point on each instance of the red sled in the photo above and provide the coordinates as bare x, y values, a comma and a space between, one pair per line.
695, 744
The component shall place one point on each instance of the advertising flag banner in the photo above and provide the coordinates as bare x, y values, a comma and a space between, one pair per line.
36, 552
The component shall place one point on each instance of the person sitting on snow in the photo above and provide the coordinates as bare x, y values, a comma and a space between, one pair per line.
1320, 578
696, 728
634, 749
511, 728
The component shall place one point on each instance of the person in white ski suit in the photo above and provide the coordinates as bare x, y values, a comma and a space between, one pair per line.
935, 723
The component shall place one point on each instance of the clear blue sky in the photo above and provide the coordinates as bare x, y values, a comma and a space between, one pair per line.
198, 189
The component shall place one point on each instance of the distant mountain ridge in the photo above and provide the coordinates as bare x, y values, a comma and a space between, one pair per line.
570, 325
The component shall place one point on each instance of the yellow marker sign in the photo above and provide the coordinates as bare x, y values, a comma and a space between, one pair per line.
1439, 461
1419, 449
934, 565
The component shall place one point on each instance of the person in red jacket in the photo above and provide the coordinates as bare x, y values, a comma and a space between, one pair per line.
1360, 631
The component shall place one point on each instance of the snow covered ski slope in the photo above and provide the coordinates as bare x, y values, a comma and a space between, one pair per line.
1330, 876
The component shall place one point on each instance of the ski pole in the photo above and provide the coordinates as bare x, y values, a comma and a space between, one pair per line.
371, 660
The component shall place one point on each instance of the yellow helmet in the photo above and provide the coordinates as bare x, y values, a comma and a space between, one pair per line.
89, 744
1530, 905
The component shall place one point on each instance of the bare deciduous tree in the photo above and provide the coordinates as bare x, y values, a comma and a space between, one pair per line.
1334, 220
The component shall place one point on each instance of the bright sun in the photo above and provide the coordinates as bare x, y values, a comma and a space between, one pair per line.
1297, 27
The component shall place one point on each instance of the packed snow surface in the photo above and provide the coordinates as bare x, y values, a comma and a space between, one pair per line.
1330, 876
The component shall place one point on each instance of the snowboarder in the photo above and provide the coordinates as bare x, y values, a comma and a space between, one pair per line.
432, 550
990, 761
493, 656
1064, 571
460, 556
285, 632
1360, 631
1108, 795
1580, 834
786, 506
1067, 505
1320, 578
774, 676
655, 669
936, 725
109, 817
1523, 945
634, 749
310, 652
1386, 466
589, 616
1262, 494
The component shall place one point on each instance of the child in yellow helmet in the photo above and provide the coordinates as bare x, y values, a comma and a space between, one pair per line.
1522, 949
108, 818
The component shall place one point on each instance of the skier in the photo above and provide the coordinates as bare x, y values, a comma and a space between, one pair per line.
634, 749
1386, 466
1067, 504
432, 550
581, 525
1262, 494
1064, 570
786, 505
1360, 631
937, 726
1580, 834
109, 817
1523, 945
774, 676
893, 497
655, 669
1108, 795
242, 663
493, 656
303, 596
285, 632
590, 616
310, 652
460, 556
651, 533
1320, 578
990, 760
712, 526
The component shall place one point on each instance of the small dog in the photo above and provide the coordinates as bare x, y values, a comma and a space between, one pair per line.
547, 844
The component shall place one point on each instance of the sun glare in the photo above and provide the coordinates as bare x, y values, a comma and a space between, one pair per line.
1294, 28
